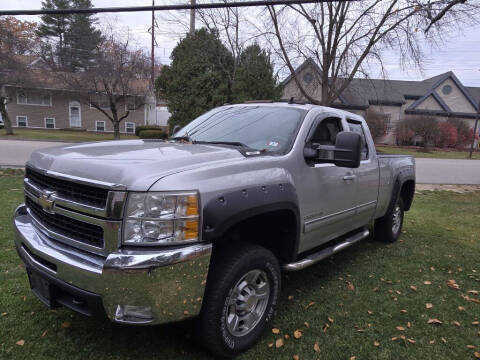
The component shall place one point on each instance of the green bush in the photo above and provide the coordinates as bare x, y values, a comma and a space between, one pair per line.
152, 134
140, 128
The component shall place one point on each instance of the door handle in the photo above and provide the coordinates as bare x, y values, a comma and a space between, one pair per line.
349, 177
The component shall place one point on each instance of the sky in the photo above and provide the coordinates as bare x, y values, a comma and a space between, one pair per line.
460, 52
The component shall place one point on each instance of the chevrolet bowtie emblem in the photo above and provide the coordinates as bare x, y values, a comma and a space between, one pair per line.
46, 201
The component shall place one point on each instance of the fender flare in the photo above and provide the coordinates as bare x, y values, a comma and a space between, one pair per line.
402, 177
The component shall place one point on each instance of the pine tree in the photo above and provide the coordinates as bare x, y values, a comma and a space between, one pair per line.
254, 79
197, 79
55, 26
82, 38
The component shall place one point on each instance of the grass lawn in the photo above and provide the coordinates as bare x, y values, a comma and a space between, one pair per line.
390, 287
60, 135
436, 154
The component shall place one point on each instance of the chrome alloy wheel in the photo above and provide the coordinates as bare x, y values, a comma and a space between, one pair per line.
248, 300
396, 219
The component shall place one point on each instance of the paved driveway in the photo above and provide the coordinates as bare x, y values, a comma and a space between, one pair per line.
448, 171
429, 171
17, 152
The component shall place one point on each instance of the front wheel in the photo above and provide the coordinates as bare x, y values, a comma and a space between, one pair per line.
242, 291
389, 227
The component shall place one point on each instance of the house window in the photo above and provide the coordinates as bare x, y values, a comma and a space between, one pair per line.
22, 121
34, 98
49, 123
130, 128
75, 114
447, 90
100, 125
131, 105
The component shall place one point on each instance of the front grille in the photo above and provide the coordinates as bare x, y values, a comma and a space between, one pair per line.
89, 234
81, 193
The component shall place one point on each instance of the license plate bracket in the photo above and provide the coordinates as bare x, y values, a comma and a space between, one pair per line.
41, 287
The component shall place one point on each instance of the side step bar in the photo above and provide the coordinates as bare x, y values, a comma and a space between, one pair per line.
324, 253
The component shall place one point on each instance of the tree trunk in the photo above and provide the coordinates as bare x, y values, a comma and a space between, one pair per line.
3, 111
116, 129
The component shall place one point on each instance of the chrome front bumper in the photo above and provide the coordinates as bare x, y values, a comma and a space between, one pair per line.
143, 286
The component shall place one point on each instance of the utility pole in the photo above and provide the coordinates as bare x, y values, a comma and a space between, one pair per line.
474, 131
153, 45
192, 17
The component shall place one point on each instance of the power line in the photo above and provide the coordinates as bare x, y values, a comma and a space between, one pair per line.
192, 6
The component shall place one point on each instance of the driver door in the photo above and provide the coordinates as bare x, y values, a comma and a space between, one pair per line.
328, 190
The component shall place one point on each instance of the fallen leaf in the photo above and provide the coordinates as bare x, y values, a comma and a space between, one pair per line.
290, 297
428, 305
409, 324
456, 323
330, 319
296, 357
279, 343
475, 323
403, 311
297, 334
400, 328
394, 338
44, 333
65, 324
434, 321
376, 343
473, 292
452, 284
20, 342
316, 347
275, 331
432, 341
286, 336
369, 312
411, 341
307, 325
4, 314
310, 304
444, 340
477, 354
414, 288
461, 308
270, 345
350, 286
325, 327
427, 282
353, 358
470, 347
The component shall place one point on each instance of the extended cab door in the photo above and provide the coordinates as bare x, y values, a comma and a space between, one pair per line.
327, 191
367, 176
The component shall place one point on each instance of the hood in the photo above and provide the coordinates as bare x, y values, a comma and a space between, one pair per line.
137, 164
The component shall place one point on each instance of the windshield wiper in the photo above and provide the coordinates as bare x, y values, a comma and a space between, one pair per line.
184, 138
232, 143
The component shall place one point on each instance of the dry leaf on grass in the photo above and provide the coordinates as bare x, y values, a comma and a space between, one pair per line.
353, 358
369, 312
20, 342
411, 341
452, 284
350, 286
475, 323
470, 347
376, 343
409, 324
461, 308
286, 336
330, 319
403, 311
316, 347
279, 343
444, 340
270, 345
456, 323
307, 325
434, 321
473, 292
297, 334
65, 324
275, 331
476, 354
310, 304
290, 297
44, 333
427, 282
296, 357
414, 288
400, 328
4, 314
428, 305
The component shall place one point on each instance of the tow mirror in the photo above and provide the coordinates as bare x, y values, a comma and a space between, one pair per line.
345, 153
175, 129
347, 149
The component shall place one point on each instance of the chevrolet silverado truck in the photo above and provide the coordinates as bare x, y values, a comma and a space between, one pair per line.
202, 224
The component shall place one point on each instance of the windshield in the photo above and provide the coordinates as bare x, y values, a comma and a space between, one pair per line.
267, 128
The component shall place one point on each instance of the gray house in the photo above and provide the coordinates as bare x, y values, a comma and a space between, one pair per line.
441, 96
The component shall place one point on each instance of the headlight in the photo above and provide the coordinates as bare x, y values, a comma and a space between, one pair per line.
161, 218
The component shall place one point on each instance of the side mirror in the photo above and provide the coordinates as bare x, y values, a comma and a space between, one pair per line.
347, 151
175, 129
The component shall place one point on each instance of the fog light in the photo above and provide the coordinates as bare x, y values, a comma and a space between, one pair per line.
133, 314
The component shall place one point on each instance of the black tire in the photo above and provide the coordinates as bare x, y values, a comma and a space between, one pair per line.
228, 268
385, 229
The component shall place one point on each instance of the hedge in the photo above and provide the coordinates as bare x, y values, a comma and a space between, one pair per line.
140, 128
152, 134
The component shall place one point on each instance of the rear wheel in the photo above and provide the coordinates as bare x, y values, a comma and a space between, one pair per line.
389, 227
242, 291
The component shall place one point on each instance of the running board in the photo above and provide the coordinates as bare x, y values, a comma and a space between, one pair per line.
324, 253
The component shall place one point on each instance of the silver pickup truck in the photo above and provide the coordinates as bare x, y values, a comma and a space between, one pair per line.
202, 224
